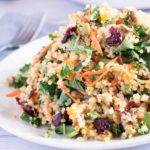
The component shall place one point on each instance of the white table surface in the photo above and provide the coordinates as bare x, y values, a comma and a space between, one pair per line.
57, 11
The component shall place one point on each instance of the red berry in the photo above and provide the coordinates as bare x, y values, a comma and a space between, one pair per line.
115, 38
70, 31
132, 105
102, 124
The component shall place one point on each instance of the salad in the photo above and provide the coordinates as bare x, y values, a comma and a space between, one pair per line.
92, 82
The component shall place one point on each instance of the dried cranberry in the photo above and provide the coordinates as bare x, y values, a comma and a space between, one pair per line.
57, 119
26, 108
102, 124
68, 121
132, 105
115, 37
70, 31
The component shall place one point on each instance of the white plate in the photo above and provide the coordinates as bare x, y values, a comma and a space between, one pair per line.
140, 4
9, 110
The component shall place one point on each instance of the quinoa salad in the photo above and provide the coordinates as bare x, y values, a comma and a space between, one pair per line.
92, 82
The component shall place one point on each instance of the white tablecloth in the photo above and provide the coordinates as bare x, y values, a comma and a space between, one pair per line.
57, 11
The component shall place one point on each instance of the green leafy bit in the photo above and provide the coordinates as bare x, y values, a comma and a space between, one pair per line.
67, 131
70, 132
142, 129
62, 50
19, 81
91, 116
74, 46
65, 71
127, 89
48, 132
49, 90
141, 31
147, 120
36, 122
101, 64
127, 19
25, 68
95, 14
75, 84
24, 116
124, 46
60, 129
146, 58
128, 50
64, 100
117, 129
52, 36
130, 56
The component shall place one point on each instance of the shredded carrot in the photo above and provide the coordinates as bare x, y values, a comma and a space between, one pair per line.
66, 91
114, 82
100, 77
120, 59
47, 109
42, 53
116, 106
92, 72
99, 71
95, 43
82, 92
84, 20
15, 93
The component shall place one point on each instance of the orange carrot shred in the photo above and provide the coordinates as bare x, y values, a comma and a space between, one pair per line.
47, 109
98, 71
95, 42
120, 59
100, 77
42, 53
15, 93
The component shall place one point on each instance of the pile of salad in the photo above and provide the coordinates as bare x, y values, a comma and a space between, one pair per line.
92, 82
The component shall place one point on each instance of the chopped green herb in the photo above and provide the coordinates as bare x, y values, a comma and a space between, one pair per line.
36, 122
117, 129
127, 89
62, 50
74, 46
127, 19
102, 62
49, 90
64, 100
60, 129
75, 84
53, 78
91, 116
20, 81
141, 31
49, 132
52, 36
95, 15
65, 71
67, 131
146, 58
24, 116
25, 68
142, 129
147, 120
124, 46
70, 132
